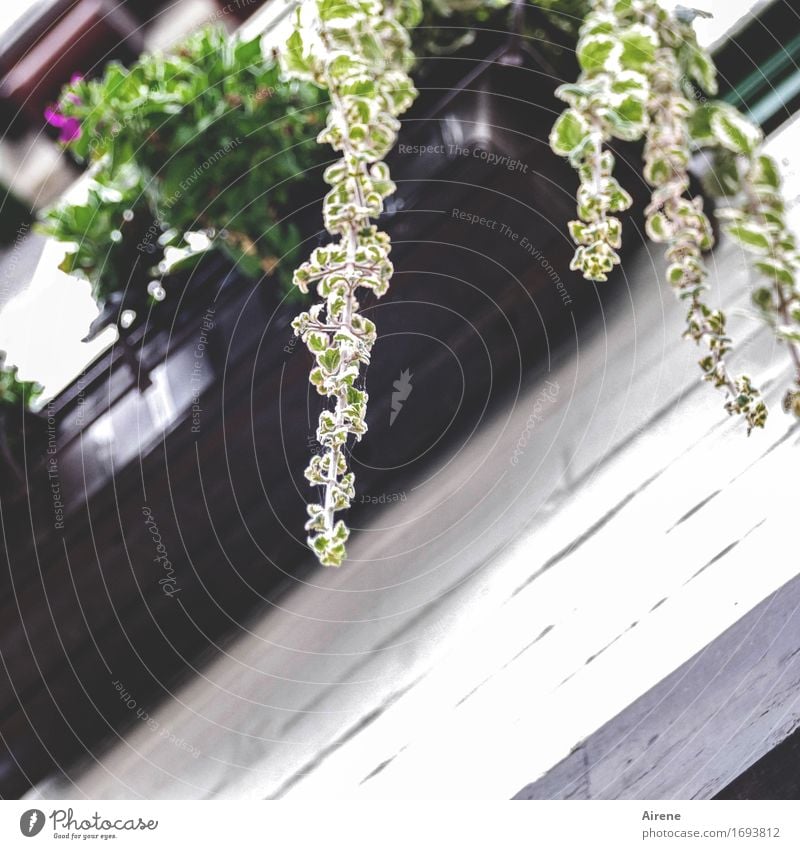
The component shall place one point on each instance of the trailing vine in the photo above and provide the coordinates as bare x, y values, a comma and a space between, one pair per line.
756, 218
358, 50
680, 222
639, 68
609, 101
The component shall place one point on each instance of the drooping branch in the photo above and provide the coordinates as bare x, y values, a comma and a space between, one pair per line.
609, 101
756, 218
633, 54
679, 221
358, 50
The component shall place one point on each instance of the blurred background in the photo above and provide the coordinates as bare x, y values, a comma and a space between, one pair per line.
162, 628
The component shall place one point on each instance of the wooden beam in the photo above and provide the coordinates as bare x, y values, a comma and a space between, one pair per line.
690, 736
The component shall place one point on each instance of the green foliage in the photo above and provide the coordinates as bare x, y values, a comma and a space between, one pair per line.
218, 141
609, 101
640, 69
733, 131
681, 224
357, 50
569, 133
756, 218
13, 391
102, 235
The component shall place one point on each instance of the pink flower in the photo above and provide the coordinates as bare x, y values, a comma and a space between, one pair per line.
70, 127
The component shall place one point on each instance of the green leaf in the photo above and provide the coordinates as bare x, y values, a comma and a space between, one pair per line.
700, 124
762, 297
295, 60
628, 119
568, 133
572, 93
630, 82
317, 342
598, 52
330, 10
724, 178
639, 44
700, 66
675, 274
750, 235
787, 333
248, 53
776, 270
657, 170
766, 172
577, 229
409, 13
734, 132
657, 227
329, 360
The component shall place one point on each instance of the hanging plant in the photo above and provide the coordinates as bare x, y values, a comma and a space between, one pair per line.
101, 234
639, 68
359, 53
756, 217
205, 138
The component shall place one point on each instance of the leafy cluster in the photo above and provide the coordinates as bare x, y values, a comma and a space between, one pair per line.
609, 101
207, 138
641, 68
358, 51
680, 222
102, 233
13, 391
755, 215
